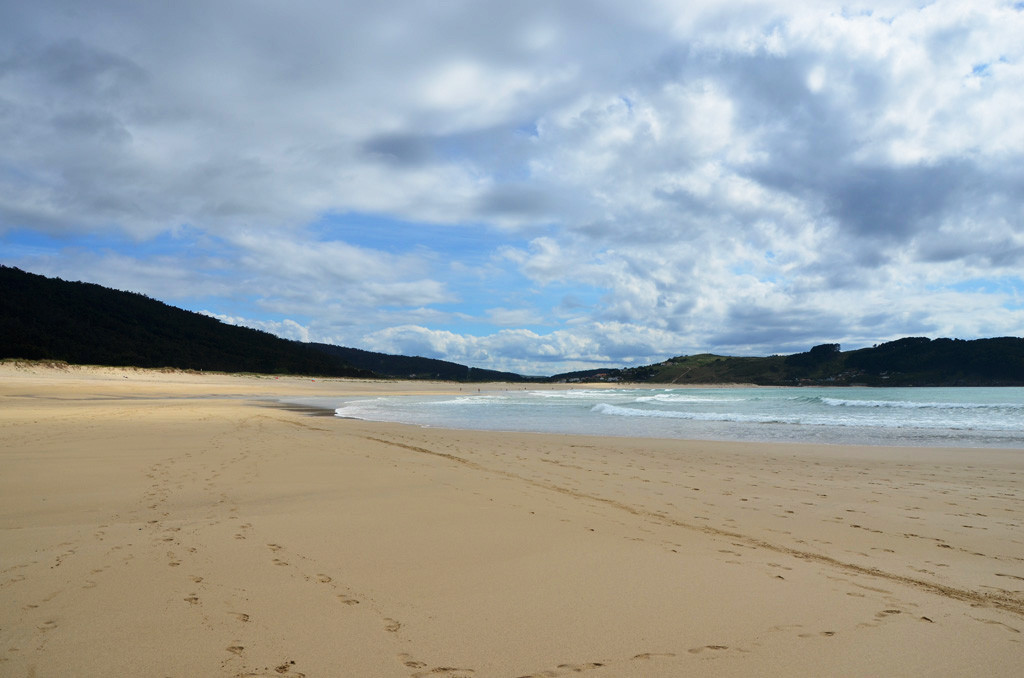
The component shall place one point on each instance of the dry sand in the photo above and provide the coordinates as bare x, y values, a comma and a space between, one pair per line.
172, 525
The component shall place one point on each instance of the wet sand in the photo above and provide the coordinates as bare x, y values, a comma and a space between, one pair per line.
174, 524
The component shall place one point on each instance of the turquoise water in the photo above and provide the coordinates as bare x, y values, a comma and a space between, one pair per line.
960, 417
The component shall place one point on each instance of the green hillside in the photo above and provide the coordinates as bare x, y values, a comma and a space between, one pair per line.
913, 361
51, 319
409, 367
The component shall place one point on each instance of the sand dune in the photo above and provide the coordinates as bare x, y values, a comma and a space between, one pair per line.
171, 524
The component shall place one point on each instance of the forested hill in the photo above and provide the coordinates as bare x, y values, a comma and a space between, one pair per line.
409, 367
83, 323
913, 361
51, 319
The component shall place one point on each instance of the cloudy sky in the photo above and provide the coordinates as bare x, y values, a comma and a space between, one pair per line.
532, 186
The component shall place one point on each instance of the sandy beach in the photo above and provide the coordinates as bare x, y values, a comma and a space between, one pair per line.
176, 524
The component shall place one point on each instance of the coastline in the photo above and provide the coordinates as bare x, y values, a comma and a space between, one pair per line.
159, 523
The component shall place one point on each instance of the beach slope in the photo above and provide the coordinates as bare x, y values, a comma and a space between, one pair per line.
180, 524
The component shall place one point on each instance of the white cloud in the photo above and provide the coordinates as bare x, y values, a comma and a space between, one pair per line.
527, 352
289, 329
665, 176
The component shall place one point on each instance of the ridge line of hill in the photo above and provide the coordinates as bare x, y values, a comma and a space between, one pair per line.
45, 318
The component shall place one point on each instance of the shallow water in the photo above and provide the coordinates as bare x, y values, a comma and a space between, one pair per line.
952, 417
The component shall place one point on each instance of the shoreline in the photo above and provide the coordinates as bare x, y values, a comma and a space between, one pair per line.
164, 525
532, 419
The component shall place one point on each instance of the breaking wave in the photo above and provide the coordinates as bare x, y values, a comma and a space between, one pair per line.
619, 411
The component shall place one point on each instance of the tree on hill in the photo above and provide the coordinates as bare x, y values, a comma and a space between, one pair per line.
410, 367
84, 323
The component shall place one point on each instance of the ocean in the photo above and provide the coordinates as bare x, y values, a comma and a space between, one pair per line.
925, 417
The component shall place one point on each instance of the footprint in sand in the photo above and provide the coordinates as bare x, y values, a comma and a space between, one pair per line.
1011, 576
560, 670
450, 672
579, 668
235, 649
411, 663
346, 600
996, 623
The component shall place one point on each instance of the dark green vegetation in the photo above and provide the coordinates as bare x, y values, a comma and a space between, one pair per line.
51, 319
406, 367
914, 361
